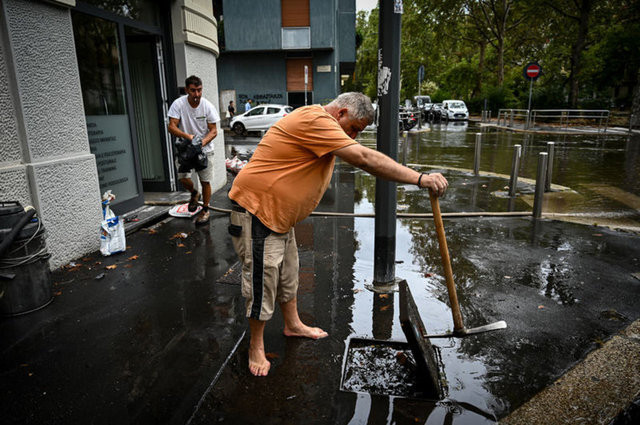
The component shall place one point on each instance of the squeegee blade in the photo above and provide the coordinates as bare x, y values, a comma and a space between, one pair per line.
488, 328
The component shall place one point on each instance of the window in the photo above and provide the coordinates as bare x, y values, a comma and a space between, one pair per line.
255, 111
296, 38
273, 110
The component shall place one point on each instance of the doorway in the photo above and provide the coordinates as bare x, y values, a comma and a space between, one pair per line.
145, 70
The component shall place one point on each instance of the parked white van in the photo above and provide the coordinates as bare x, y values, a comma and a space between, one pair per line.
456, 109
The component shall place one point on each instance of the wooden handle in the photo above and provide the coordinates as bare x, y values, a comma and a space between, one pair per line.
446, 263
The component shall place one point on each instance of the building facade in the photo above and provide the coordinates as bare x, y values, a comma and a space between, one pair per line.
266, 46
84, 89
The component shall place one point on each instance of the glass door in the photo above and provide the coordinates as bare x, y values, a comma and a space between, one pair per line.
144, 55
100, 63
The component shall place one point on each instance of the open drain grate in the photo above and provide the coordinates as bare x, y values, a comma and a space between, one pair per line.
233, 276
380, 368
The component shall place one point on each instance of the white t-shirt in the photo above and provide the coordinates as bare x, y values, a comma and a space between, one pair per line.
194, 120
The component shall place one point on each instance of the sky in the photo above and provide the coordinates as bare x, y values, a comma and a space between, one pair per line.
366, 4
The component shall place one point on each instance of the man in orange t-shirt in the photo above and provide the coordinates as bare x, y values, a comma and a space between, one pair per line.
279, 187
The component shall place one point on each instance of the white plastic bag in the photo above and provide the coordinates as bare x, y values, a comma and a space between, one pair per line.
112, 237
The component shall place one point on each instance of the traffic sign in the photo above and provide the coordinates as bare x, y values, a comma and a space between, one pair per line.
420, 74
532, 71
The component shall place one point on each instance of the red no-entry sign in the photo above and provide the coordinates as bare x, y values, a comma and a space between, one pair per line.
532, 71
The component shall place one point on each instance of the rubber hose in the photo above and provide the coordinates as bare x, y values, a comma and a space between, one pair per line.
6, 243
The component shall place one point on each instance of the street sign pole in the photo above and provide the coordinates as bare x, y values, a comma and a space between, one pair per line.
529, 107
419, 102
531, 72
387, 139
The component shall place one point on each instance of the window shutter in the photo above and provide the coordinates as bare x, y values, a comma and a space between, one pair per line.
295, 13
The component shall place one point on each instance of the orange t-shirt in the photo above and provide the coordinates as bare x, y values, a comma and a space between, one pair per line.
291, 168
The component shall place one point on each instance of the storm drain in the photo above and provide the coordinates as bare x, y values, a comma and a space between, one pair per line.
409, 369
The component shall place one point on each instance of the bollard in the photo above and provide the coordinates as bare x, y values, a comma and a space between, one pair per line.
550, 151
540, 178
489, 116
405, 135
476, 159
515, 166
631, 117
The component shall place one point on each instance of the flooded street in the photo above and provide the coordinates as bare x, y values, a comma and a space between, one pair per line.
563, 288
158, 334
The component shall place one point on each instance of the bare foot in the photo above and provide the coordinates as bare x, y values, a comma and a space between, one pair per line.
305, 331
258, 363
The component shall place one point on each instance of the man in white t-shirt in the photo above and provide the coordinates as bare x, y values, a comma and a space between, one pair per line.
192, 116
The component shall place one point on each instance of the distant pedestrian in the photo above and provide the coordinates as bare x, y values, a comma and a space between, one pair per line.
231, 109
247, 105
194, 118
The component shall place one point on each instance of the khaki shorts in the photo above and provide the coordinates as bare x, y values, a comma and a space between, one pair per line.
205, 175
269, 264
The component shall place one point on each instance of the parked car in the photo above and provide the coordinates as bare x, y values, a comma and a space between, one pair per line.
456, 109
261, 117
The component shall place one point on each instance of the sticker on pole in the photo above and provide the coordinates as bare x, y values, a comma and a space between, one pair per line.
532, 71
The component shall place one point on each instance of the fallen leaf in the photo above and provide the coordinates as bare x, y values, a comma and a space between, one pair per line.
384, 295
97, 263
111, 267
30, 373
188, 252
179, 235
383, 308
271, 356
58, 293
133, 257
180, 245
597, 234
128, 247
540, 307
152, 231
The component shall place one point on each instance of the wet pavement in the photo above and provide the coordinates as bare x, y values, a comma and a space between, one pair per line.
156, 339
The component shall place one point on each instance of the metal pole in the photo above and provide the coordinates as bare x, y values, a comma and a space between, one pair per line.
476, 158
306, 81
530, 92
387, 138
540, 177
550, 151
511, 118
405, 139
515, 166
631, 122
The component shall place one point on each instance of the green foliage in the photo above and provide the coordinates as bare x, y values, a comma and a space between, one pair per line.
471, 58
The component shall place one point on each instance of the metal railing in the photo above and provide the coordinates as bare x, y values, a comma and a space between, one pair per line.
566, 115
509, 115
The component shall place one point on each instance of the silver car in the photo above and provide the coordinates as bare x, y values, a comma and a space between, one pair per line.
261, 117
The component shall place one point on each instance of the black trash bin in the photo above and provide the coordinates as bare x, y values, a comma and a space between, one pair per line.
25, 278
